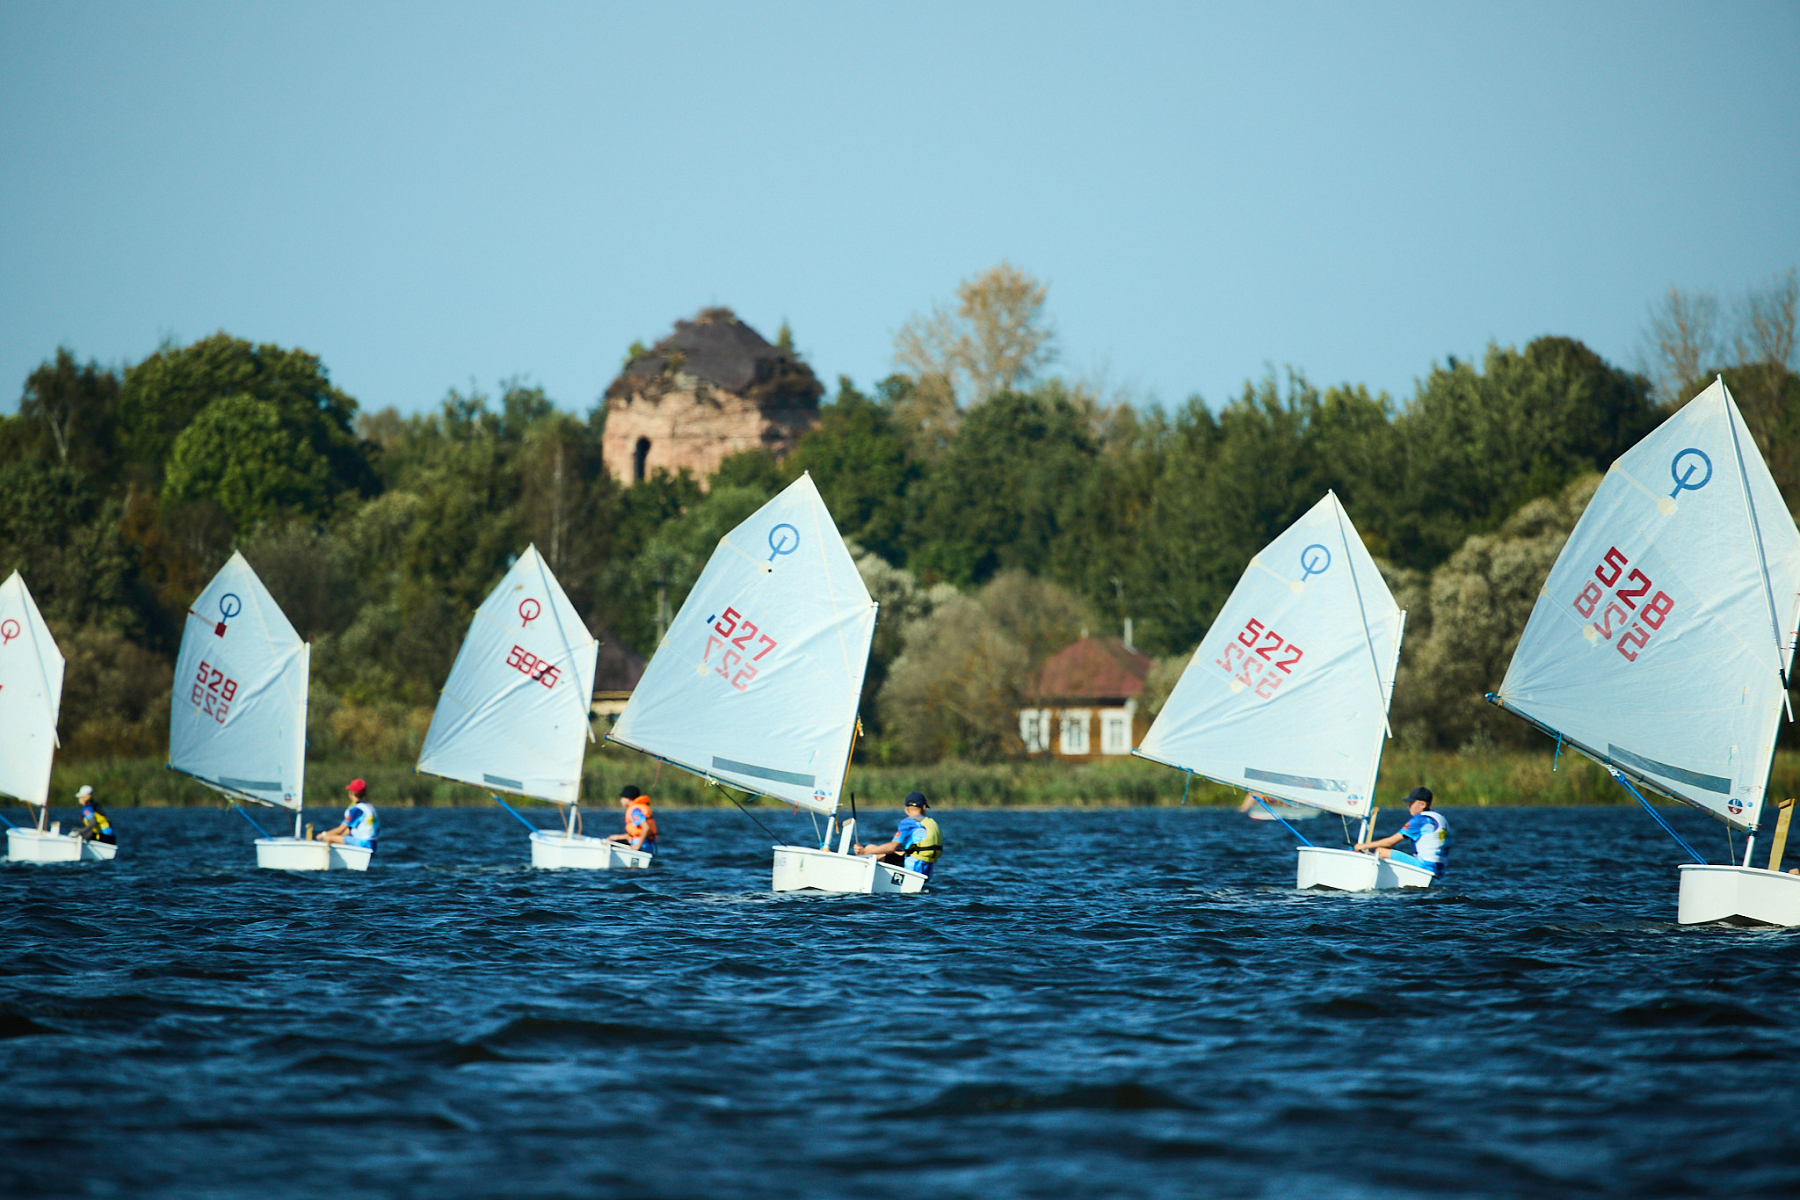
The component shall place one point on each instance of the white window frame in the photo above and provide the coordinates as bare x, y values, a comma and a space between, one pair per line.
1075, 721
1034, 729
1115, 721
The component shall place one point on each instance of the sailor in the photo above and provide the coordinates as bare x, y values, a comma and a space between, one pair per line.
916, 844
1428, 831
360, 827
94, 825
640, 821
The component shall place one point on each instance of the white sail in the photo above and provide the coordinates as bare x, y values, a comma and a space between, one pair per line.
31, 681
513, 716
757, 681
238, 718
1288, 694
1661, 640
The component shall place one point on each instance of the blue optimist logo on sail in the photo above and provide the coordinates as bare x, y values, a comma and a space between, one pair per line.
1684, 466
783, 539
1314, 560
229, 607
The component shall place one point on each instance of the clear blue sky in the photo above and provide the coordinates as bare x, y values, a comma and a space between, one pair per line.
425, 194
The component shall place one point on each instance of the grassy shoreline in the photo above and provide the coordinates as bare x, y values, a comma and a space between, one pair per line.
1502, 779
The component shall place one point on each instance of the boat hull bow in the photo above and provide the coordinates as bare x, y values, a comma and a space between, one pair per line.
1352, 871
1738, 896
299, 854
553, 850
806, 868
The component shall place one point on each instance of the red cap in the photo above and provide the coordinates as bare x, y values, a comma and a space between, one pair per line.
356, 787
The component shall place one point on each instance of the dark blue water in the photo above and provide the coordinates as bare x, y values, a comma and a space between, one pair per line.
1087, 1004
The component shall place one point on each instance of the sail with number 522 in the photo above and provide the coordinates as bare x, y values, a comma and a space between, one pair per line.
1287, 695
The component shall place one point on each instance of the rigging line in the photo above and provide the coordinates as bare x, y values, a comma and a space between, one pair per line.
1656, 816
1762, 558
747, 813
1271, 812
251, 819
515, 812
8, 824
1184, 788
1349, 564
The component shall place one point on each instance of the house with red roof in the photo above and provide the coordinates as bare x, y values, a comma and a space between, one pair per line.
1084, 702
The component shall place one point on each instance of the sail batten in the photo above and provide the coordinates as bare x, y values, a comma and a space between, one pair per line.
1287, 694
514, 712
31, 682
237, 719
1645, 646
758, 678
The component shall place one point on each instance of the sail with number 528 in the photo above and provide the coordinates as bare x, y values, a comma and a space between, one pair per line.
757, 681
1661, 642
238, 716
1288, 694
513, 716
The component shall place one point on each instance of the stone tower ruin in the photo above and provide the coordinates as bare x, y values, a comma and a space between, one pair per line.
708, 390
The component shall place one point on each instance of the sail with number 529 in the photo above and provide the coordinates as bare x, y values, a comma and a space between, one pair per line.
513, 716
1287, 695
238, 716
31, 682
1661, 642
757, 681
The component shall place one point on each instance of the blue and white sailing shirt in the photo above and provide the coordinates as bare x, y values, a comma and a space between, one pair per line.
1430, 834
365, 826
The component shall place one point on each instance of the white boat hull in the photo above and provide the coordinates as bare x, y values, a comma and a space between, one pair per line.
1352, 871
298, 854
1738, 896
804, 868
42, 846
554, 850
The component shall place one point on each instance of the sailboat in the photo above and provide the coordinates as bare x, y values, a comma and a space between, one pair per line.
31, 680
1660, 644
1287, 695
237, 722
755, 686
513, 716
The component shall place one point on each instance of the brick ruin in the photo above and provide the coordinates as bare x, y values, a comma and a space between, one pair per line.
708, 390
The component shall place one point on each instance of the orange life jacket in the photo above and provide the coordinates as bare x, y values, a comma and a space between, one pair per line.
640, 822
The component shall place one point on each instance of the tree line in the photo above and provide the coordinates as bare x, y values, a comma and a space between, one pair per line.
996, 510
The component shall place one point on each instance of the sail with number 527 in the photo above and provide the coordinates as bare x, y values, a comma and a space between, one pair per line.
238, 716
513, 716
1661, 642
1288, 694
757, 681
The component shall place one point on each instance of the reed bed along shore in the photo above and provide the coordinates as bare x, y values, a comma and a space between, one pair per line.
1496, 779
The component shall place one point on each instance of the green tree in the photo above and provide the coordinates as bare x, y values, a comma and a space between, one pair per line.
63, 536
1002, 493
1474, 446
859, 462
68, 412
163, 394
1461, 634
254, 459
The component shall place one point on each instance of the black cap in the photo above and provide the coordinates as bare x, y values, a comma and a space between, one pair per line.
1419, 793
916, 800
630, 793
